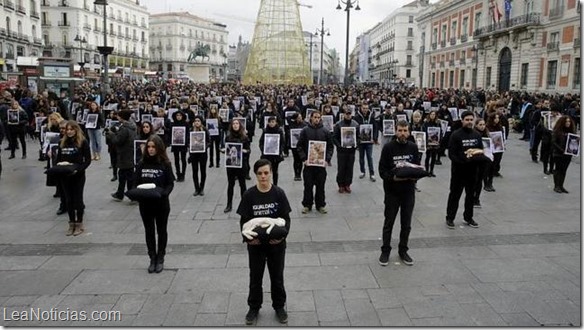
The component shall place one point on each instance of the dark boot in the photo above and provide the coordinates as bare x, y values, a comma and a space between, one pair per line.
545, 168
159, 263
152, 266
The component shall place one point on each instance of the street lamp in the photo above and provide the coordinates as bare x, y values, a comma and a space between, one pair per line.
104, 50
476, 49
392, 65
322, 31
81, 62
348, 5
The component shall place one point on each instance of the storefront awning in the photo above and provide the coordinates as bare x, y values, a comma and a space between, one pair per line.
61, 78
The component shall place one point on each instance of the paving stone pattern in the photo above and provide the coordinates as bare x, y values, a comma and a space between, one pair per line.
520, 268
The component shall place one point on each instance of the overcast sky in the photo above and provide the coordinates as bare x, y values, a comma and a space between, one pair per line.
239, 15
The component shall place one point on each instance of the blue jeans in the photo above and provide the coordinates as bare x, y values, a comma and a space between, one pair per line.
366, 148
94, 139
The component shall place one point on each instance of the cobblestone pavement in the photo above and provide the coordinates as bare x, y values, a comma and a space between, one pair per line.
520, 268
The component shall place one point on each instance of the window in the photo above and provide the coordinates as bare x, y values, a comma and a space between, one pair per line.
435, 36
477, 20
19, 51
441, 80
34, 35
8, 29
433, 80
463, 54
576, 79
461, 78
488, 79
443, 33
410, 19
410, 32
409, 60
551, 74
64, 39
408, 73
524, 74
410, 45
169, 67
465, 26
451, 79
453, 31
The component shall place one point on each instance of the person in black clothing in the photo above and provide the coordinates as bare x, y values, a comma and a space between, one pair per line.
74, 149
526, 109
269, 201
296, 122
17, 129
236, 134
345, 153
111, 148
432, 147
314, 175
535, 123
484, 168
399, 192
155, 168
563, 127
215, 140
273, 128
546, 154
180, 151
465, 144
145, 130
198, 160
122, 137
365, 117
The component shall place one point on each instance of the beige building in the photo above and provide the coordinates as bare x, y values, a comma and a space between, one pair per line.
530, 45
173, 36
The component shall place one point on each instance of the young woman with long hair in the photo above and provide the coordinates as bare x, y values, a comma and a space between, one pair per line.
236, 134
74, 149
155, 168
94, 134
563, 127
483, 167
494, 125
431, 150
215, 140
199, 160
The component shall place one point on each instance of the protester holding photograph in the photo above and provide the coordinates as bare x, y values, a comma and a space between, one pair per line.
17, 128
94, 134
122, 138
365, 117
74, 150
296, 122
494, 125
236, 134
198, 160
154, 172
180, 151
483, 167
273, 128
215, 140
546, 154
432, 145
345, 153
563, 127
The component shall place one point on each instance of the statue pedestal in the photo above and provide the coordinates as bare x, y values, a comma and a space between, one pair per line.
198, 72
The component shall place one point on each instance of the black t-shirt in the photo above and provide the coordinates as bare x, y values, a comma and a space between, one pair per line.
271, 204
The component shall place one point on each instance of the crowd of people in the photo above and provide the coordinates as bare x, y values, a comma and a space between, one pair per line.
142, 123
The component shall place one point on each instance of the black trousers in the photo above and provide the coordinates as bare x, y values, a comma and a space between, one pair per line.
314, 176
494, 168
180, 162
14, 135
399, 196
481, 176
297, 163
562, 164
235, 174
155, 219
346, 162
73, 187
461, 178
431, 155
546, 151
113, 161
125, 180
199, 163
259, 256
215, 144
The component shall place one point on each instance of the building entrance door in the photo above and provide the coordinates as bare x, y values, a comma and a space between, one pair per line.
505, 70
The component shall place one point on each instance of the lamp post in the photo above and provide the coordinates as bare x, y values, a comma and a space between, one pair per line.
322, 31
392, 65
104, 50
348, 5
81, 62
311, 45
475, 49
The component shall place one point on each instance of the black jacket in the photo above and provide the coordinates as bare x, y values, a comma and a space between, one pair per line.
460, 141
337, 136
272, 130
123, 140
314, 133
80, 156
150, 171
394, 152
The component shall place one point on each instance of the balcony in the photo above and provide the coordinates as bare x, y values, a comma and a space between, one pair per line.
409, 64
64, 23
35, 14
168, 47
112, 33
144, 25
441, 64
135, 38
135, 23
128, 37
464, 38
38, 41
45, 3
63, 3
553, 46
86, 7
9, 4
434, 46
87, 26
9, 56
20, 9
46, 23
518, 22
96, 29
463, 61
452, 41
443, 43
143, 40
557, 12
432, 65
2, 32
451, 62
577, 43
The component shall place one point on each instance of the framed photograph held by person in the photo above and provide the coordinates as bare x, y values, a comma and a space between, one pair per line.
366, 133
572, 145
498, 141
420, 139
348, 137
178, 137
197, 143
433, 136
316, 153
488, 148
213, 126
233, 155
294, 135
328, 122
91, 120
388, 127
272, 144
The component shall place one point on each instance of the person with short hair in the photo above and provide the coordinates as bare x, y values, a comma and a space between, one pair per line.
464, 145
236, 134
346, 153
265, 200
399, 192
122, 137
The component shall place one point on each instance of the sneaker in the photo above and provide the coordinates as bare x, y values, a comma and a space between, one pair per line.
251, 316
117, 197
450, 224
471, 223
282, 315
384, 259
322, 210
405, 258
362, 176
372, 178
305, 210
477, 205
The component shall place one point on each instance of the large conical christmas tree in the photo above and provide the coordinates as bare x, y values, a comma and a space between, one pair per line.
278, 54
